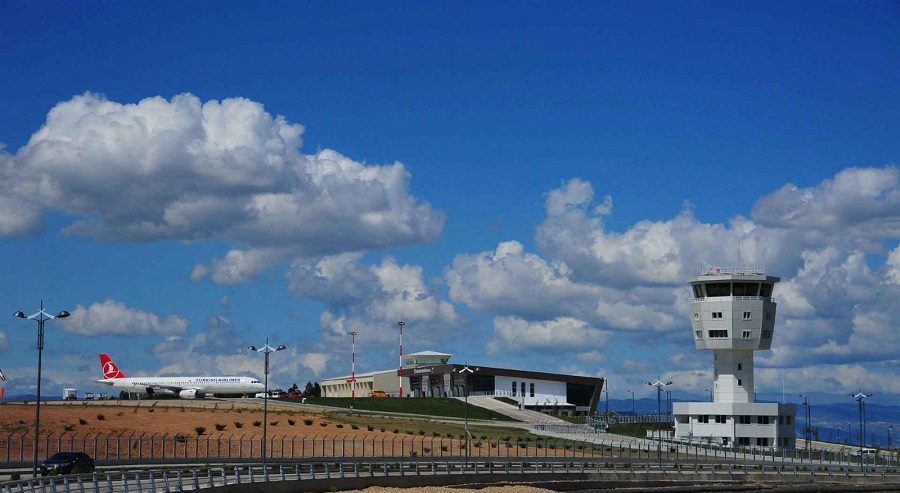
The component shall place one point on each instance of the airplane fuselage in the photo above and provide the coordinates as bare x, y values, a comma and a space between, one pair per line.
186, 387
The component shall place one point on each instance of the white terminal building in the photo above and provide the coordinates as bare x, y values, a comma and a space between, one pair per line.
733, 315
430, 374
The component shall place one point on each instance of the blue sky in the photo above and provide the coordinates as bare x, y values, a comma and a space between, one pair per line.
524, 184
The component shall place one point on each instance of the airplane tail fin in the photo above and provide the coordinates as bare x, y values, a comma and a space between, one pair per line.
110, 370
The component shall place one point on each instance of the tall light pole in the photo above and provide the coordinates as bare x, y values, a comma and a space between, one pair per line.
266, 350
659, 388
861, 400
465, 372
808, 430
40, 317
352, 368
632, 400
400, 368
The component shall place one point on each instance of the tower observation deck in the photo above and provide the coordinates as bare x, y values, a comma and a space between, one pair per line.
733, 315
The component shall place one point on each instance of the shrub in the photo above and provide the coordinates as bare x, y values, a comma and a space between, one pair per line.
371, 428
292, 422
323, 424
151, 410
238, 424
354, 427
220, 427
421, 432
339, 425
307, 422
426, 450
200, 430
257, 423
273, 423
435, 434
82, 421
444, 448
180, 438
68, 427
396, 431
382, 429
409, 432
100, 417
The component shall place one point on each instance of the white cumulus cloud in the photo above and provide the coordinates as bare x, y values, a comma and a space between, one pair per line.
112, 317
189, 170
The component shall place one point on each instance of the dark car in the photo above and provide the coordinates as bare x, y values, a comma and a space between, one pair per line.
67, 463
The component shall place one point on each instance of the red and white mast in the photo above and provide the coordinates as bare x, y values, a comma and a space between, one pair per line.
400, 369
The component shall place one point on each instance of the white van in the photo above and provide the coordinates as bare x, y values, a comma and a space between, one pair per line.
864, 452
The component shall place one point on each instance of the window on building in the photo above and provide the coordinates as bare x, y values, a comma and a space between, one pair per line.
699, 334
718, 334
514, 389
747, 315
762, 420
696, 317
768, 315
744, 419
703, 418
523, 389
780, 419
746, 288
716, 315
532, 389
698, 293
745, 334
744, 441
715, 289
765, 290
762, 442
740, 366
787, 419
766, 334
721, 418
739, 382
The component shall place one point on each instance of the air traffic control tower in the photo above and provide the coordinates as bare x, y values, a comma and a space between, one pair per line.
733, 315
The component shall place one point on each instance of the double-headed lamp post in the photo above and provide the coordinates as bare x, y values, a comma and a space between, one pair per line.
465, 372
861, 400
808, 430
660, 386
40, 317
266, 350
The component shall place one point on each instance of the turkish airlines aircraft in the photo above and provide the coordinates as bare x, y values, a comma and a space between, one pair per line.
184, 387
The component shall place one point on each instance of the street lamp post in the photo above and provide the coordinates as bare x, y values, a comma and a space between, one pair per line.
659, 388
352, 369
807, 430
861, 400
400, 368
464, 371
632, 401
40, 317
266, 350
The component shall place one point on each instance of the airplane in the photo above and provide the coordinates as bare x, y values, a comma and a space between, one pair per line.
183, 387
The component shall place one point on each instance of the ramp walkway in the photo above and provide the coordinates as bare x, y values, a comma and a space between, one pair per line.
528, 416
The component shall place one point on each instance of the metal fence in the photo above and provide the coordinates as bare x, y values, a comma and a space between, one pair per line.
577, 441
378, 471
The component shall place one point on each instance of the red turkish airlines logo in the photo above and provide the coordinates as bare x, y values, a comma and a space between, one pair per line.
110, 370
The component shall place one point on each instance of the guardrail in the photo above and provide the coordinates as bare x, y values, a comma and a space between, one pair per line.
375, 471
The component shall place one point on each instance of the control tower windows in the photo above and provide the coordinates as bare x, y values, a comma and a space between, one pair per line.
765, 290
698, 292
716, 289
766, 334
746, 289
